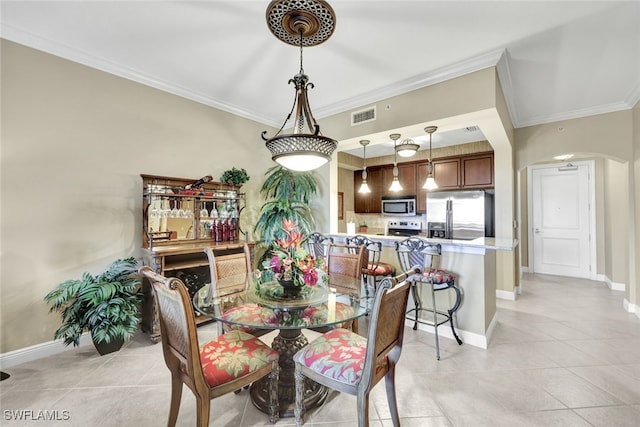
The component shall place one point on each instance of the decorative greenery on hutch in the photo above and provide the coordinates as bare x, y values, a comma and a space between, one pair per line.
234, 176
107, 305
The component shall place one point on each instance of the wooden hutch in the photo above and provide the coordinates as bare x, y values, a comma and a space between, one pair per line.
176, 229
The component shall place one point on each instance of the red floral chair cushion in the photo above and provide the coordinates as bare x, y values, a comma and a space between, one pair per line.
308, 317
383, 269
434, 276
245, 314
338, 354
233, 355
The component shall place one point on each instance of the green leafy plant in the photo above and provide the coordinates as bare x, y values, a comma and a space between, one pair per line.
288, 194
107, 305
235, 176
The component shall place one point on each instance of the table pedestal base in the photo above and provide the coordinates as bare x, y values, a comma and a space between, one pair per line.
287, 343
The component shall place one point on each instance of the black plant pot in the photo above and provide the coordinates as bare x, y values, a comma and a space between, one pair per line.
290, 290
108, 347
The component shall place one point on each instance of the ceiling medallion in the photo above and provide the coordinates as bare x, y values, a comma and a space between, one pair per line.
301, 23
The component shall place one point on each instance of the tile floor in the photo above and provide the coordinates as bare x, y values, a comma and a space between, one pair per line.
564, 354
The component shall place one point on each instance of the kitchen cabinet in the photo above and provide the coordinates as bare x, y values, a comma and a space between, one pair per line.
446, 172
368, 202
406, 176
477, 171
470, 171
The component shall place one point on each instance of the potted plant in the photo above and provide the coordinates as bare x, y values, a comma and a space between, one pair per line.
363, 227
287, 195
234, 176
107, 305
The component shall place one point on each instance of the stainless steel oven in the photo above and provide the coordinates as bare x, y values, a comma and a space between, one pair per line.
399, 206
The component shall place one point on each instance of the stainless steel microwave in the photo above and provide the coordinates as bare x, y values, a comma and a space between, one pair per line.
399, 206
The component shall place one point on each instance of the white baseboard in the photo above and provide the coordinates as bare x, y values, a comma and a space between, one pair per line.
470, 338
524, 269
630, 307
508, 295
614, 286
39, 351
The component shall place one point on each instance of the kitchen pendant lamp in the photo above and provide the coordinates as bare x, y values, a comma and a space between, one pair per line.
407, 148
364, 187
430, 183
301, 23
395, 184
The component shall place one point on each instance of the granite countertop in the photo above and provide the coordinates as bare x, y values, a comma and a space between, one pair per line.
499, 244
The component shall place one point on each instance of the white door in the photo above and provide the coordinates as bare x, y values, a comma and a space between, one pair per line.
561, 220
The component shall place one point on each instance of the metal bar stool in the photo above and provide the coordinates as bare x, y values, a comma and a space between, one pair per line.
414, 251
317, 245
375, 270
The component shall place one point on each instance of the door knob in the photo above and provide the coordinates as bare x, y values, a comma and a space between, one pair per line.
538, 231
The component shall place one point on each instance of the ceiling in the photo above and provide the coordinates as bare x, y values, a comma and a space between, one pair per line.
556, 60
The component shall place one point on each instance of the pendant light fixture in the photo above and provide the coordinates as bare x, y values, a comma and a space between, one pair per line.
407, 148
364, 187
301, 23
395, 184
430, 183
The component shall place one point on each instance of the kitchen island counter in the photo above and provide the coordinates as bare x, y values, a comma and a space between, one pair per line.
494, 243
475, 266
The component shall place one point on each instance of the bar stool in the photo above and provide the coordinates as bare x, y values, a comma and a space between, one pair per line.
317, 245
414, 251
375, 270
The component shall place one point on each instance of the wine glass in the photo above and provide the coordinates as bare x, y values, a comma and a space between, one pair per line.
174, 213
154, 209
188, 212
203, 212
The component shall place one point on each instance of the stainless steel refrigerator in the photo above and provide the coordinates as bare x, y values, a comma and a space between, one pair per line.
461, 215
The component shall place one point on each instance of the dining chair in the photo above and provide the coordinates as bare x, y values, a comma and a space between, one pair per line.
369, 359
317, 245
374, 270
344, 267
415, 250
229, 274
228, 363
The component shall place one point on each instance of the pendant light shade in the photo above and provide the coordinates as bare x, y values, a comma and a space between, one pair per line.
301, 23
430, 183
407, 148
395, 184
364, 187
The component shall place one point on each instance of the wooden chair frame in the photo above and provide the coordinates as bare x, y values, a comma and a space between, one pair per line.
384, 345
182, 354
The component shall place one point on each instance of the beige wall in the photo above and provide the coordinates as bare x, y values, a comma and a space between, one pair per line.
609, 139
616, 221
74, 143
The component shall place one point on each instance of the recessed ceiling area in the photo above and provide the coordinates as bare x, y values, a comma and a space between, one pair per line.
384, 146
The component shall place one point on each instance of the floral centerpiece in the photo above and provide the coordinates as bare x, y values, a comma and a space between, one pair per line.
289, 262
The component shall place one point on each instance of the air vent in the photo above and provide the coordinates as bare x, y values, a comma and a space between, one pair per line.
363, 116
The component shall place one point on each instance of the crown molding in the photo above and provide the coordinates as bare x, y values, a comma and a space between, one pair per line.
575, 114
52, 47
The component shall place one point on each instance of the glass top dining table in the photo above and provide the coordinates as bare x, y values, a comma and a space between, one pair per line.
240, 302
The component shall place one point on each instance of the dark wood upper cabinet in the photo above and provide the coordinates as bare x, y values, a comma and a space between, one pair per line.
477, 171
368, 202
446, 172
406, 176
451, 173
